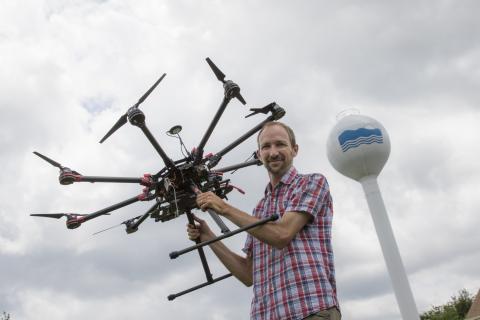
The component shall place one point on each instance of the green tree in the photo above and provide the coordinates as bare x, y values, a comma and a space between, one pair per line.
456, 309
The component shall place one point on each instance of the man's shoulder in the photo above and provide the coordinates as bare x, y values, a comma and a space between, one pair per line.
311, 178
294, 175
311, 183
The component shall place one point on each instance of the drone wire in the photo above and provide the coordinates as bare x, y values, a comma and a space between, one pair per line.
176, 206
118, 225
170, 184
182, 150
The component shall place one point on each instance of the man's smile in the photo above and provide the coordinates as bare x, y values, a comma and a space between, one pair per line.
279, 159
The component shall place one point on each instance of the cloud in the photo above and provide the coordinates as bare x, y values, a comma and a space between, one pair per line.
71, 69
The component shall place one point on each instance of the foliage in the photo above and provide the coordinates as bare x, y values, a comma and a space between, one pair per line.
5, 316
456, 309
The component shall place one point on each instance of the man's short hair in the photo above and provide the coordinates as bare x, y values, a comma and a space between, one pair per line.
291, 135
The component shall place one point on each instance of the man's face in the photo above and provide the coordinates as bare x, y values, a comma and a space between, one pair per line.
275, 150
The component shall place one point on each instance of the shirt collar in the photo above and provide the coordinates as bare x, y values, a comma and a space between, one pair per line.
287, 178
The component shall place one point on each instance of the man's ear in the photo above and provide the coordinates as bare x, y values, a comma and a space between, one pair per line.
295, 150
257, 153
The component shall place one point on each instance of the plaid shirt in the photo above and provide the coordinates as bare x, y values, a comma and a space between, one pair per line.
298, 280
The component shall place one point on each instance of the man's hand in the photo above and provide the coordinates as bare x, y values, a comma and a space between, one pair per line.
210, 200
240, 267
200, 230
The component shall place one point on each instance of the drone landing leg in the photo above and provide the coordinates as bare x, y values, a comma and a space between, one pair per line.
200, 250
173, 296
210, 279
176, 254
199, 247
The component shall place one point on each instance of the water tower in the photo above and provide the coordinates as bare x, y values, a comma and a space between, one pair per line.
358, 147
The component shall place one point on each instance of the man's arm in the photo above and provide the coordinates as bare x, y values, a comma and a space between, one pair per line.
277, 234
240, 267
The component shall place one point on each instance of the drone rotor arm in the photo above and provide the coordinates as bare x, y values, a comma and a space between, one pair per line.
105, 211
254, 162
168, 162
277, 112
93, 179
140, 219
213, 161
231, 90
199, 150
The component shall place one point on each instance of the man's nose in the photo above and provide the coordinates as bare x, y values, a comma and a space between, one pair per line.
273, 151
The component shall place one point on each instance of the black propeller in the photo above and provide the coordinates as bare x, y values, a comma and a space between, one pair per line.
272, 107
221, 77
219, 74
67, 175
55, 215
123, 119
74, 220
53, 163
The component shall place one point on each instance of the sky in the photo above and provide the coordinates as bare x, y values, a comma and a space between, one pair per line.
70, 69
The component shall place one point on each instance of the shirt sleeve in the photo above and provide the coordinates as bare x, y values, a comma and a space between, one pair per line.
310, 195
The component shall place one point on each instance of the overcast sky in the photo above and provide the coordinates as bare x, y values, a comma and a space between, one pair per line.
70, 69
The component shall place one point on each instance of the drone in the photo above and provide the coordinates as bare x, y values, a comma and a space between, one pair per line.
174, 188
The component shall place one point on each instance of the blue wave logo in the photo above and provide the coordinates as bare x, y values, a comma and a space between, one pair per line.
353, 138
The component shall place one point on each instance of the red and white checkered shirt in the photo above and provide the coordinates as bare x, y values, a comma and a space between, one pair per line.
298, 280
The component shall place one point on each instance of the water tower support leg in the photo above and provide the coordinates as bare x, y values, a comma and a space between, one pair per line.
394, 263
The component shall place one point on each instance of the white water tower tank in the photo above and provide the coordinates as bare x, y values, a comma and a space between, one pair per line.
358, 147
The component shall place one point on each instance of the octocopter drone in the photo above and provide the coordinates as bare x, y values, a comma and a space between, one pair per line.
175, 187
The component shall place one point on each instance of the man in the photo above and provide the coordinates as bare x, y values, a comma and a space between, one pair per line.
290, 261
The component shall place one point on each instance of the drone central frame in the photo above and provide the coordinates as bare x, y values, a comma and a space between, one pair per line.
175, 187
